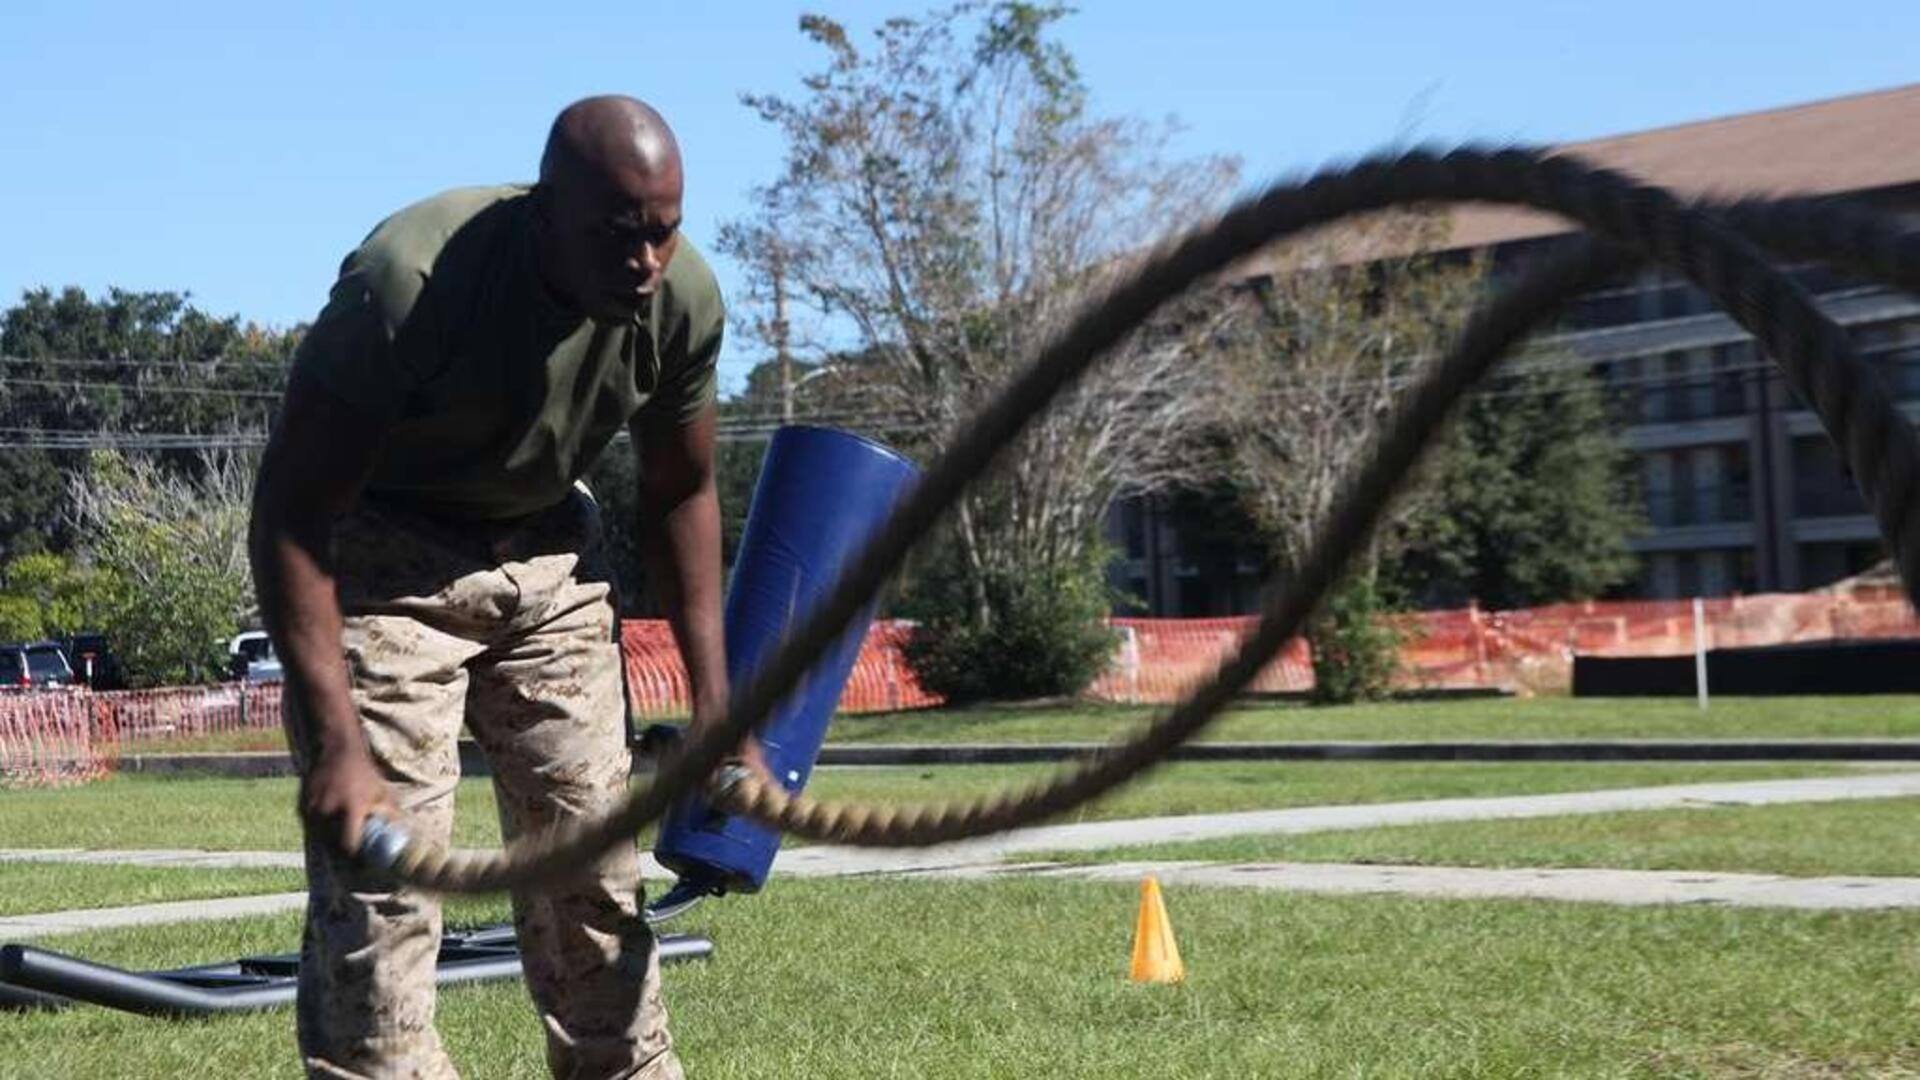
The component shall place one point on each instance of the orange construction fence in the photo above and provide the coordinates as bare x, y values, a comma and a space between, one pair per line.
881, 680
1533, 648
48, 737
1164, 660
56, 736
71, 734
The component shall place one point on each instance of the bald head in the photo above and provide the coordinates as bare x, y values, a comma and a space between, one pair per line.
609, 204
609, 135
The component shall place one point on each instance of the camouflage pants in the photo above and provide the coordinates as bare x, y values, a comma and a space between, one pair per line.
509, 627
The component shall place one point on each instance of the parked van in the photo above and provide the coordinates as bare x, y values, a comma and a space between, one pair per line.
250, 658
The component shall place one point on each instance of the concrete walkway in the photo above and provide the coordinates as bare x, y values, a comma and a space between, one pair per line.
1635, 887
17, 927
984, 857
828, 860
1095, 835
180, 858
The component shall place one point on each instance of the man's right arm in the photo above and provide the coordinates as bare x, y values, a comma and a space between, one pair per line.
314, 468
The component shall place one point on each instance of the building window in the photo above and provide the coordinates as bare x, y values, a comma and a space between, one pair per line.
1614, 307
1819, 278
1722, 571
1827, 562
1133, 527
1745, 572
1821, 485
1733, 366
1733, 495
1650, 383
1686, 574
1698, 485
1680, 301
1622, 381
1663, 581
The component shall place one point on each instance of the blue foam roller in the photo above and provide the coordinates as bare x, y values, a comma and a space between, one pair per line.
822, 493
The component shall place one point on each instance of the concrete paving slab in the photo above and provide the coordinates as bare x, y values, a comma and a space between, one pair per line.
1092, 835
1633, 887
15, 928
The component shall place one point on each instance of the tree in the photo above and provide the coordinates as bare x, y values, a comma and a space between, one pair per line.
1534, 501
1522, 500
31, 489
134, 362
45, 595
768, 314
1320, 351
177, 546
1356, 651
1319, 354
1048, 638
949, 200
129, 363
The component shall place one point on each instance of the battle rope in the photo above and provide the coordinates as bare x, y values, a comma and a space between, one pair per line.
1629, 221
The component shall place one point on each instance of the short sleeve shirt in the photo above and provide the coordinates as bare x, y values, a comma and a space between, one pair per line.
499, 398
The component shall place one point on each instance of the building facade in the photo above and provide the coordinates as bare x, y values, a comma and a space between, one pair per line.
1743, 490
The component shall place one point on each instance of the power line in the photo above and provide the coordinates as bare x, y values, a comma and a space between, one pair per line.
25, 438
137, 365
141, 388
41, 439
753, 427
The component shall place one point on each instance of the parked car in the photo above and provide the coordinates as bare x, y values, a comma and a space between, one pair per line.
34, 664
250, 658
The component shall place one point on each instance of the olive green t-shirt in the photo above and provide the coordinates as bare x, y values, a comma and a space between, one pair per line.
499, 398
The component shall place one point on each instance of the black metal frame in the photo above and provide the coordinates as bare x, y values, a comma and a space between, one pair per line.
34, 978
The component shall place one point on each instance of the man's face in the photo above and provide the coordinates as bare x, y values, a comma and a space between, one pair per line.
609, 239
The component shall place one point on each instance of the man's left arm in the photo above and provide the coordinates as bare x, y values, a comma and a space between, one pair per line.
680, 535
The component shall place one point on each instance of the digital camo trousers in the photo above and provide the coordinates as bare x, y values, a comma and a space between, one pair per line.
511, 628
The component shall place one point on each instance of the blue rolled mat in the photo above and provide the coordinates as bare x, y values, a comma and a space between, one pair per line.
822, 493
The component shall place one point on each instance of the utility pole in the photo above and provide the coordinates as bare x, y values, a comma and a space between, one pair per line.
778, 330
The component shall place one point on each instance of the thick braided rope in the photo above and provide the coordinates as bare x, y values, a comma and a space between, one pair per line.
1642, 221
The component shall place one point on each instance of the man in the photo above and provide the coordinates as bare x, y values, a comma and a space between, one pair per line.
418, 505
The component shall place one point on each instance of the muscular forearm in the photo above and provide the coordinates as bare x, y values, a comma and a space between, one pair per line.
302, 613
683, 554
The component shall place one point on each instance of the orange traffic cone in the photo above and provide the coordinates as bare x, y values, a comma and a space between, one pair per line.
1156, 959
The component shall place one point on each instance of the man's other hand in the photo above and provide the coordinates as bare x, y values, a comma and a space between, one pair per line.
342, 789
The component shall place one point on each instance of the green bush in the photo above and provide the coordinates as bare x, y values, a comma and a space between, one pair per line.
45, 595
1355, 650
1044, 632
20, 619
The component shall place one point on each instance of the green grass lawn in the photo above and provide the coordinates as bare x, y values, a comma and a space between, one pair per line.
1892, 716
874, 978
28, 888
1870, 837
222, 742
226, 815
178, 812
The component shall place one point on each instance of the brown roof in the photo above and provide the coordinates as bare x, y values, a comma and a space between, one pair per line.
1855, 143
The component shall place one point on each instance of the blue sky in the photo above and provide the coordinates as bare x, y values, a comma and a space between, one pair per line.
238, 150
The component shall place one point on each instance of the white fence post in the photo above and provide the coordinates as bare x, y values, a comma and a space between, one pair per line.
1700, 649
